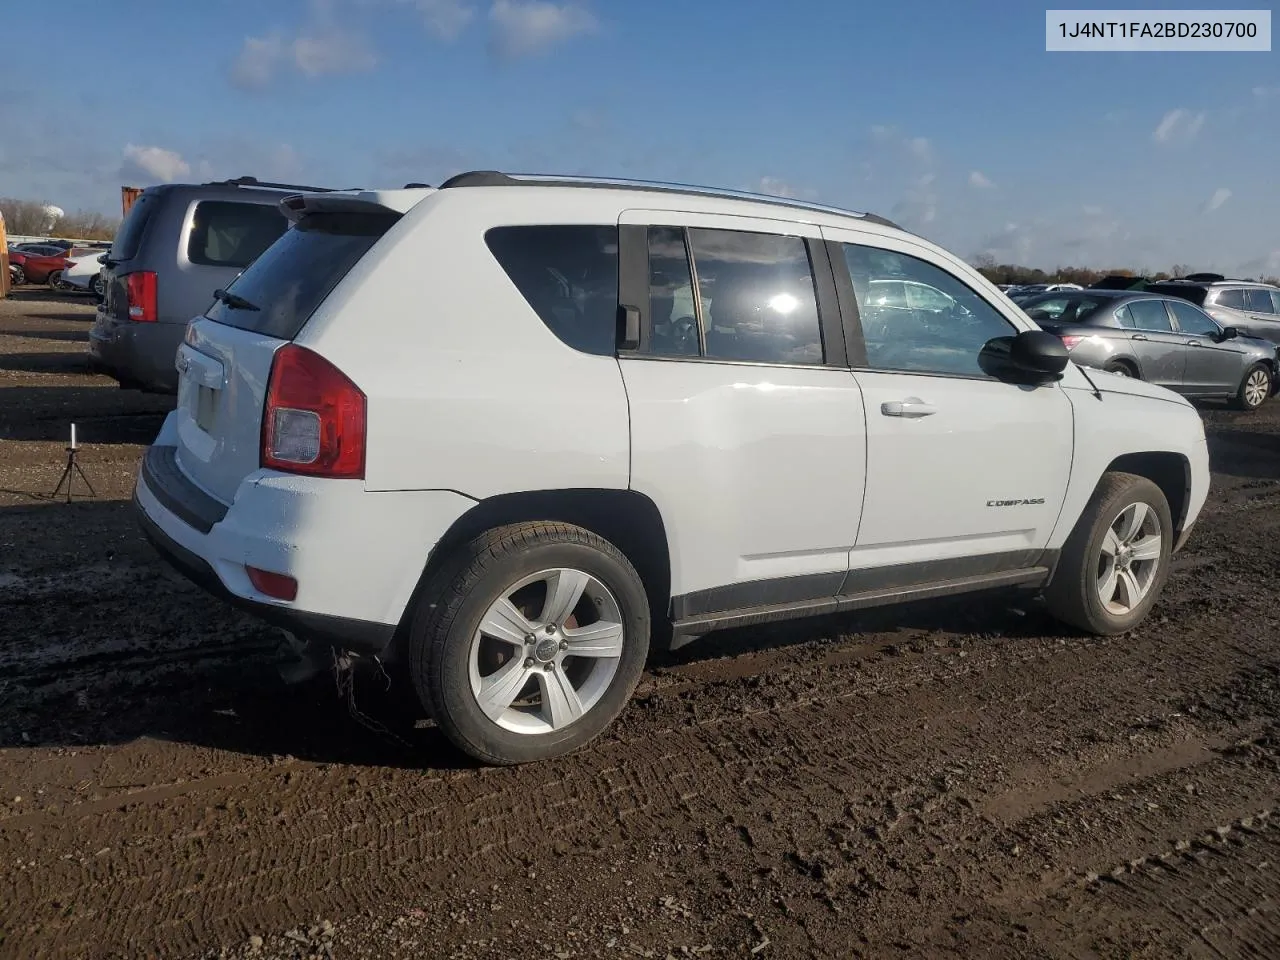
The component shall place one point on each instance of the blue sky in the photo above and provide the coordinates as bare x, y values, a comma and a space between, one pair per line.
950, 118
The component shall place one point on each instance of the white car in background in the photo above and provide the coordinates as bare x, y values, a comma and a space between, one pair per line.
84, 273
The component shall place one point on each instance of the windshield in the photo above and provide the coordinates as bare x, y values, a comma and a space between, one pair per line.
294, 275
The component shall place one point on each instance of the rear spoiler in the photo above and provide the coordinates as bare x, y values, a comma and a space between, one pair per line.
295, 206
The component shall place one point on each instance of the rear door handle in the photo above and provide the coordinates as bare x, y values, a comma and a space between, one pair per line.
1139, 336
1194, 343
911, 407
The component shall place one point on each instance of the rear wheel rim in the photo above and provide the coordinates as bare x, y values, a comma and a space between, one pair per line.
546, 651
1256, 387
1129, 558
1121, 370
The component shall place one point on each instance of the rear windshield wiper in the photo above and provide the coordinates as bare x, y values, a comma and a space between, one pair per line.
234, 300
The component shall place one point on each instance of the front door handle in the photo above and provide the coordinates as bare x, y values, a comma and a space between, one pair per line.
1194, 343
1139, 336
911, 407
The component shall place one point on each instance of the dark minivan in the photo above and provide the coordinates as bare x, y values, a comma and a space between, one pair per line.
179, 244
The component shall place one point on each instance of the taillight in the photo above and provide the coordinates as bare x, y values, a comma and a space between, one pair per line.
140, 288
1070, 340
314, 419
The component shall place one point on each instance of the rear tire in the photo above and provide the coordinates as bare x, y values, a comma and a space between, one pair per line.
55, 280
1255, 387
19, 276
1122, 368
508, 696
1111, 570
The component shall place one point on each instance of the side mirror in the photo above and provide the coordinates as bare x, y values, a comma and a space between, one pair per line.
1032, 357
1228, 333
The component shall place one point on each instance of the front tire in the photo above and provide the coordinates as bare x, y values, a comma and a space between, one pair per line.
1116, 561
530, 642
1255, 387
19, 276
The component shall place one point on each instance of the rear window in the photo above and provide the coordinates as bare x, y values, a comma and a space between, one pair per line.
1183, 291
129, 236
295, 274
230, 234
569, 276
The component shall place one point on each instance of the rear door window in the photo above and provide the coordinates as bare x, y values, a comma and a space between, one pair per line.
294, 275
1232, 297
1150, 315
1259, 300
229, 234
568, 274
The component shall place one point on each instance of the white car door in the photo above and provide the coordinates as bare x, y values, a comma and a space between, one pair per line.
746, 424
966, 474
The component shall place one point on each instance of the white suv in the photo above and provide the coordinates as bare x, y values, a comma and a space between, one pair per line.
510, 431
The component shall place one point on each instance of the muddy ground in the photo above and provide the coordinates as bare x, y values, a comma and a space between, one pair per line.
961, 778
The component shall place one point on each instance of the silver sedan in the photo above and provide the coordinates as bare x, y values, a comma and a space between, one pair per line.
1164, 340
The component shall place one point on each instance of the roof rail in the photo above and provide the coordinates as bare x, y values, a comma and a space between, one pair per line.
494, 178
269, 185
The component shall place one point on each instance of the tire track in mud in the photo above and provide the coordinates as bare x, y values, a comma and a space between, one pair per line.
341, 836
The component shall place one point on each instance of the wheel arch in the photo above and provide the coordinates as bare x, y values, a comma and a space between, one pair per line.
1169, 471
627, 519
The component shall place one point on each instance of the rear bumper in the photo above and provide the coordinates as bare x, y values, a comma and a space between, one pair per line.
357, 556
359, 635
137, 354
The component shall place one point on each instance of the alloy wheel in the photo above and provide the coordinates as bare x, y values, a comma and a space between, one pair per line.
1129, 558
1257, 387
546, 651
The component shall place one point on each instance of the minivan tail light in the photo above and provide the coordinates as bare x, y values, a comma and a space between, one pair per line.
314, 418
140, 288
278, 585
1071, 339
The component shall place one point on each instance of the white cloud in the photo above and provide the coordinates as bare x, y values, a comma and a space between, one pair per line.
1179, 123
325, 45
256, 65
1220, 196
920, 148
1091, 211
444, 19
775, 187
154, 162
332, 51
919, 204
1266, 93
979, 181
524, 28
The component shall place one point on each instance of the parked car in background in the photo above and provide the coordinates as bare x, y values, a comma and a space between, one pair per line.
458, 430
1253, 308
44, 269
19, 254
179, 244
1164, 340
83, 273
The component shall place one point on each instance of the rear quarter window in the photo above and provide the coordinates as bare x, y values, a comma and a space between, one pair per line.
294, 275
569, 276
225, 233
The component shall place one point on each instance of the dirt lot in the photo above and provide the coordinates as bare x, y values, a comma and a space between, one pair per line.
962, 778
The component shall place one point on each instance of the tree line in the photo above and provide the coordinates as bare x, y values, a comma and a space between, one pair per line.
29, 218
1085, 276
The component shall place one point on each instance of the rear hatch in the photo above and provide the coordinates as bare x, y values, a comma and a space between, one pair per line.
125, 246
225, 363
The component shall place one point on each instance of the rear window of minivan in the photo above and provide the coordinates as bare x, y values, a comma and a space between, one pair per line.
225, 233
129, 236
293, 276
